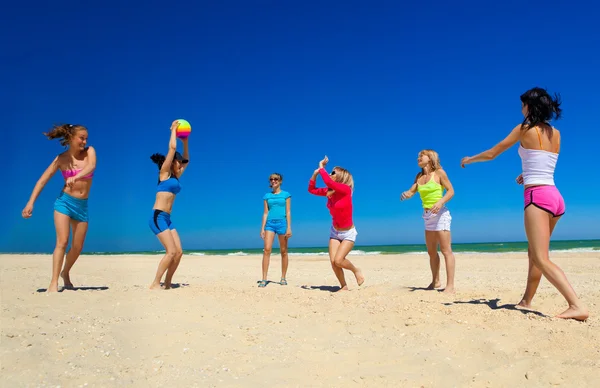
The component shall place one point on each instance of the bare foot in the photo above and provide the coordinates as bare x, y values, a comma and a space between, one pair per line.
66, 279
166, 286
52, 288
360, 278
574, 312
433, 286
523, 303
154, 286
345, 288
448, 290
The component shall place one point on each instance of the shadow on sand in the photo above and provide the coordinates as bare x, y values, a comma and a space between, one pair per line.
322, 288
493, 304
61, 289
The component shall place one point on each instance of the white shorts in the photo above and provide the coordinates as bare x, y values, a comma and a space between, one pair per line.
438, 221
342, 235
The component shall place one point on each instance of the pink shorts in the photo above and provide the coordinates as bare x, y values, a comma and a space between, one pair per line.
547, 198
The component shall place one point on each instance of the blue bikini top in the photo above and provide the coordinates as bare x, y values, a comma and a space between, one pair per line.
171, 185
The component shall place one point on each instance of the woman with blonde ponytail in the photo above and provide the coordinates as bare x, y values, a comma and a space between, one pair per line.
430, 183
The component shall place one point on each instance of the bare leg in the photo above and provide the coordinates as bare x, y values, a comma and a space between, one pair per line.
341, 261
446, 248
176, 259
79, 233
166, 239
61, 223
431, 240
537, 227
269, 237
339, 273
283, 247
534, 275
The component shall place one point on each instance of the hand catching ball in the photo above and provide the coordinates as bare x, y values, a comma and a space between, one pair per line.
184, 129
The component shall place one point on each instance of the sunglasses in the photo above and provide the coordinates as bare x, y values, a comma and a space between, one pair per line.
332, 173
274, 179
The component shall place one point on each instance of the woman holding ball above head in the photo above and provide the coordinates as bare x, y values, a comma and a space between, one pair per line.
430, 183
170, 167
277, 219
77, 165
342, 234
539, 147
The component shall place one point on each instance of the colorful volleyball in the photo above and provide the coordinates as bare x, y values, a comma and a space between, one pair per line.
184, 129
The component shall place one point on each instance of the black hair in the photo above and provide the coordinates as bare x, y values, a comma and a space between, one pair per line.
541, 107
159, 159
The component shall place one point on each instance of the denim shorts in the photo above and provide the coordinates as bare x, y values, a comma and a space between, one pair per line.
277, 226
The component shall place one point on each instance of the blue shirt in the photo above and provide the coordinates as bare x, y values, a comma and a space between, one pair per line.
276, 205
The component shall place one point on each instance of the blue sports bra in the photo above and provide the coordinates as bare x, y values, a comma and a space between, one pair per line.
171, 185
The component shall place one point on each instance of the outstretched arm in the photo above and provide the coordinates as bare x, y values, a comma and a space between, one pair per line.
39, 186
312, 186
491, 154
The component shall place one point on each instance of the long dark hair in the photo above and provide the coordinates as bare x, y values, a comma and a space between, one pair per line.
541, 107
159, 159
64, 132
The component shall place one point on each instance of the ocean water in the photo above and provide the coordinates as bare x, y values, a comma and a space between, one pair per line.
470, 248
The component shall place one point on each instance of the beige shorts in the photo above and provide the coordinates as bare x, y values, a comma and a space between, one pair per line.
438, 221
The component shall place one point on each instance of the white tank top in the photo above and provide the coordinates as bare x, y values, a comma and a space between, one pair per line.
538, 165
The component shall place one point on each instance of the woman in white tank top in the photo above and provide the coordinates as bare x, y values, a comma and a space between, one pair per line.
539, 147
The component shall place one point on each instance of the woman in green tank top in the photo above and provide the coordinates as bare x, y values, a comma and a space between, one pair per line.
430, 183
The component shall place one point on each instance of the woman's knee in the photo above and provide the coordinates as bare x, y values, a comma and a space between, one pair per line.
446, 251
433, 253
267, 250
77, 248
338, 261
61, 243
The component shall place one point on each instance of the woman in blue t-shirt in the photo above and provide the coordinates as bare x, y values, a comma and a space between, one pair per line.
277, 219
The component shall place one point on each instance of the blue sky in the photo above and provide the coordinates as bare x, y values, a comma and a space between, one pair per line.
273, 86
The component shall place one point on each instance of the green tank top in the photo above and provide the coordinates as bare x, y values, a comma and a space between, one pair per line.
430, 193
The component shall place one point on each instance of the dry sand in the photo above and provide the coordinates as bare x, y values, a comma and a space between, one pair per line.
219, 329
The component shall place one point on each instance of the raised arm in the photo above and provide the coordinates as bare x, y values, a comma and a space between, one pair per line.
412, 191
312, 186
186, 153
338, 187
39, 186
491, 154
166, 167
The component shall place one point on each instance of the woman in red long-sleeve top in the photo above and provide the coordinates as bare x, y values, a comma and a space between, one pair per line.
342, 234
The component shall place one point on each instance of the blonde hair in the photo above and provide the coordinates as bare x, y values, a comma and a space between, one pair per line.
344, 177
434, 160
64, 132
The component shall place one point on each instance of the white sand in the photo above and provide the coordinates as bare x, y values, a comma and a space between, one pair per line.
219, 329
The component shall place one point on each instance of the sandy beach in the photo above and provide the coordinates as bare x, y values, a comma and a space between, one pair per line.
218, 329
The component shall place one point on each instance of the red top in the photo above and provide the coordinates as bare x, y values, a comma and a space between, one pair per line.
339, 203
